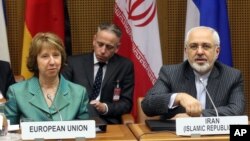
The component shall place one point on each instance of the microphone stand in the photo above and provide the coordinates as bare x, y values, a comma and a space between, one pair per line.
57, 110
208, 94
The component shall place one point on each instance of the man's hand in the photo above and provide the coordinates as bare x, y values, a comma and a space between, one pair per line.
193, 106
100, 107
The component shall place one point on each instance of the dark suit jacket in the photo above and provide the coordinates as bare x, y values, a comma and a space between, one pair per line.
225, 85
80, 69
6, 77
26, 100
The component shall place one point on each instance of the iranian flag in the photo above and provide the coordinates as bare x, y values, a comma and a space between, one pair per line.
140, 42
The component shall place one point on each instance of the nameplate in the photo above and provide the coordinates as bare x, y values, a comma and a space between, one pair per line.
1, 122
58, 129
208, 125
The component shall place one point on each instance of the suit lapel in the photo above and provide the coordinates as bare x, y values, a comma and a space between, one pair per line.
37, 96
89, 69
212, 86
189, 85
111, 67
62, 99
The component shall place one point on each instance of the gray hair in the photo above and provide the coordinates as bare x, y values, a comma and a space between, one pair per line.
215, 34
110, 27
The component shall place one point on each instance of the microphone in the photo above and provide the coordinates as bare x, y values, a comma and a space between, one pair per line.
208, 94
49, 97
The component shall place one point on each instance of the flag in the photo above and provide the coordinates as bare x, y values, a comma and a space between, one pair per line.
41, 16
212, 13
67, 30
4, 48
140, 42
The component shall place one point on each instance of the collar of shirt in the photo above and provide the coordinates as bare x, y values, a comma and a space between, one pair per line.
201, 93
204, 77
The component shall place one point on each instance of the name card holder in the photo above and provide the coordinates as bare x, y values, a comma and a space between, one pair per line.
196, 126
76, 139
77, 129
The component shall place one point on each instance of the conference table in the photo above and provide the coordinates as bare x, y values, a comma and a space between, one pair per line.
115, 133
143, 133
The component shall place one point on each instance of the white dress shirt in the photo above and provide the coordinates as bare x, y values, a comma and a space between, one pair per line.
96, 67
201, 83
104, 68
200, 89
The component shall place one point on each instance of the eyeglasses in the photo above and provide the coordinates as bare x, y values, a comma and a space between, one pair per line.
204, 46
109, 47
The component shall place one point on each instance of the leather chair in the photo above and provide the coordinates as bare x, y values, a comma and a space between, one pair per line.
141, 116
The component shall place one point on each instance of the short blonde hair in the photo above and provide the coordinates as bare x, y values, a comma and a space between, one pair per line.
39, 42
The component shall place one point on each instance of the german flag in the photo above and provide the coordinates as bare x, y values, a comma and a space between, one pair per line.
41, 16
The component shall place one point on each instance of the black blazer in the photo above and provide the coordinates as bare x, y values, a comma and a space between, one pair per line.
225, 85
6, 77
80, 69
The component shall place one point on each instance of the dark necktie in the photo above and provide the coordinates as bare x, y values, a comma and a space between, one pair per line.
98, 81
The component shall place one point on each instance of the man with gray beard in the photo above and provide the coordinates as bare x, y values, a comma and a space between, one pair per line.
183, 90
